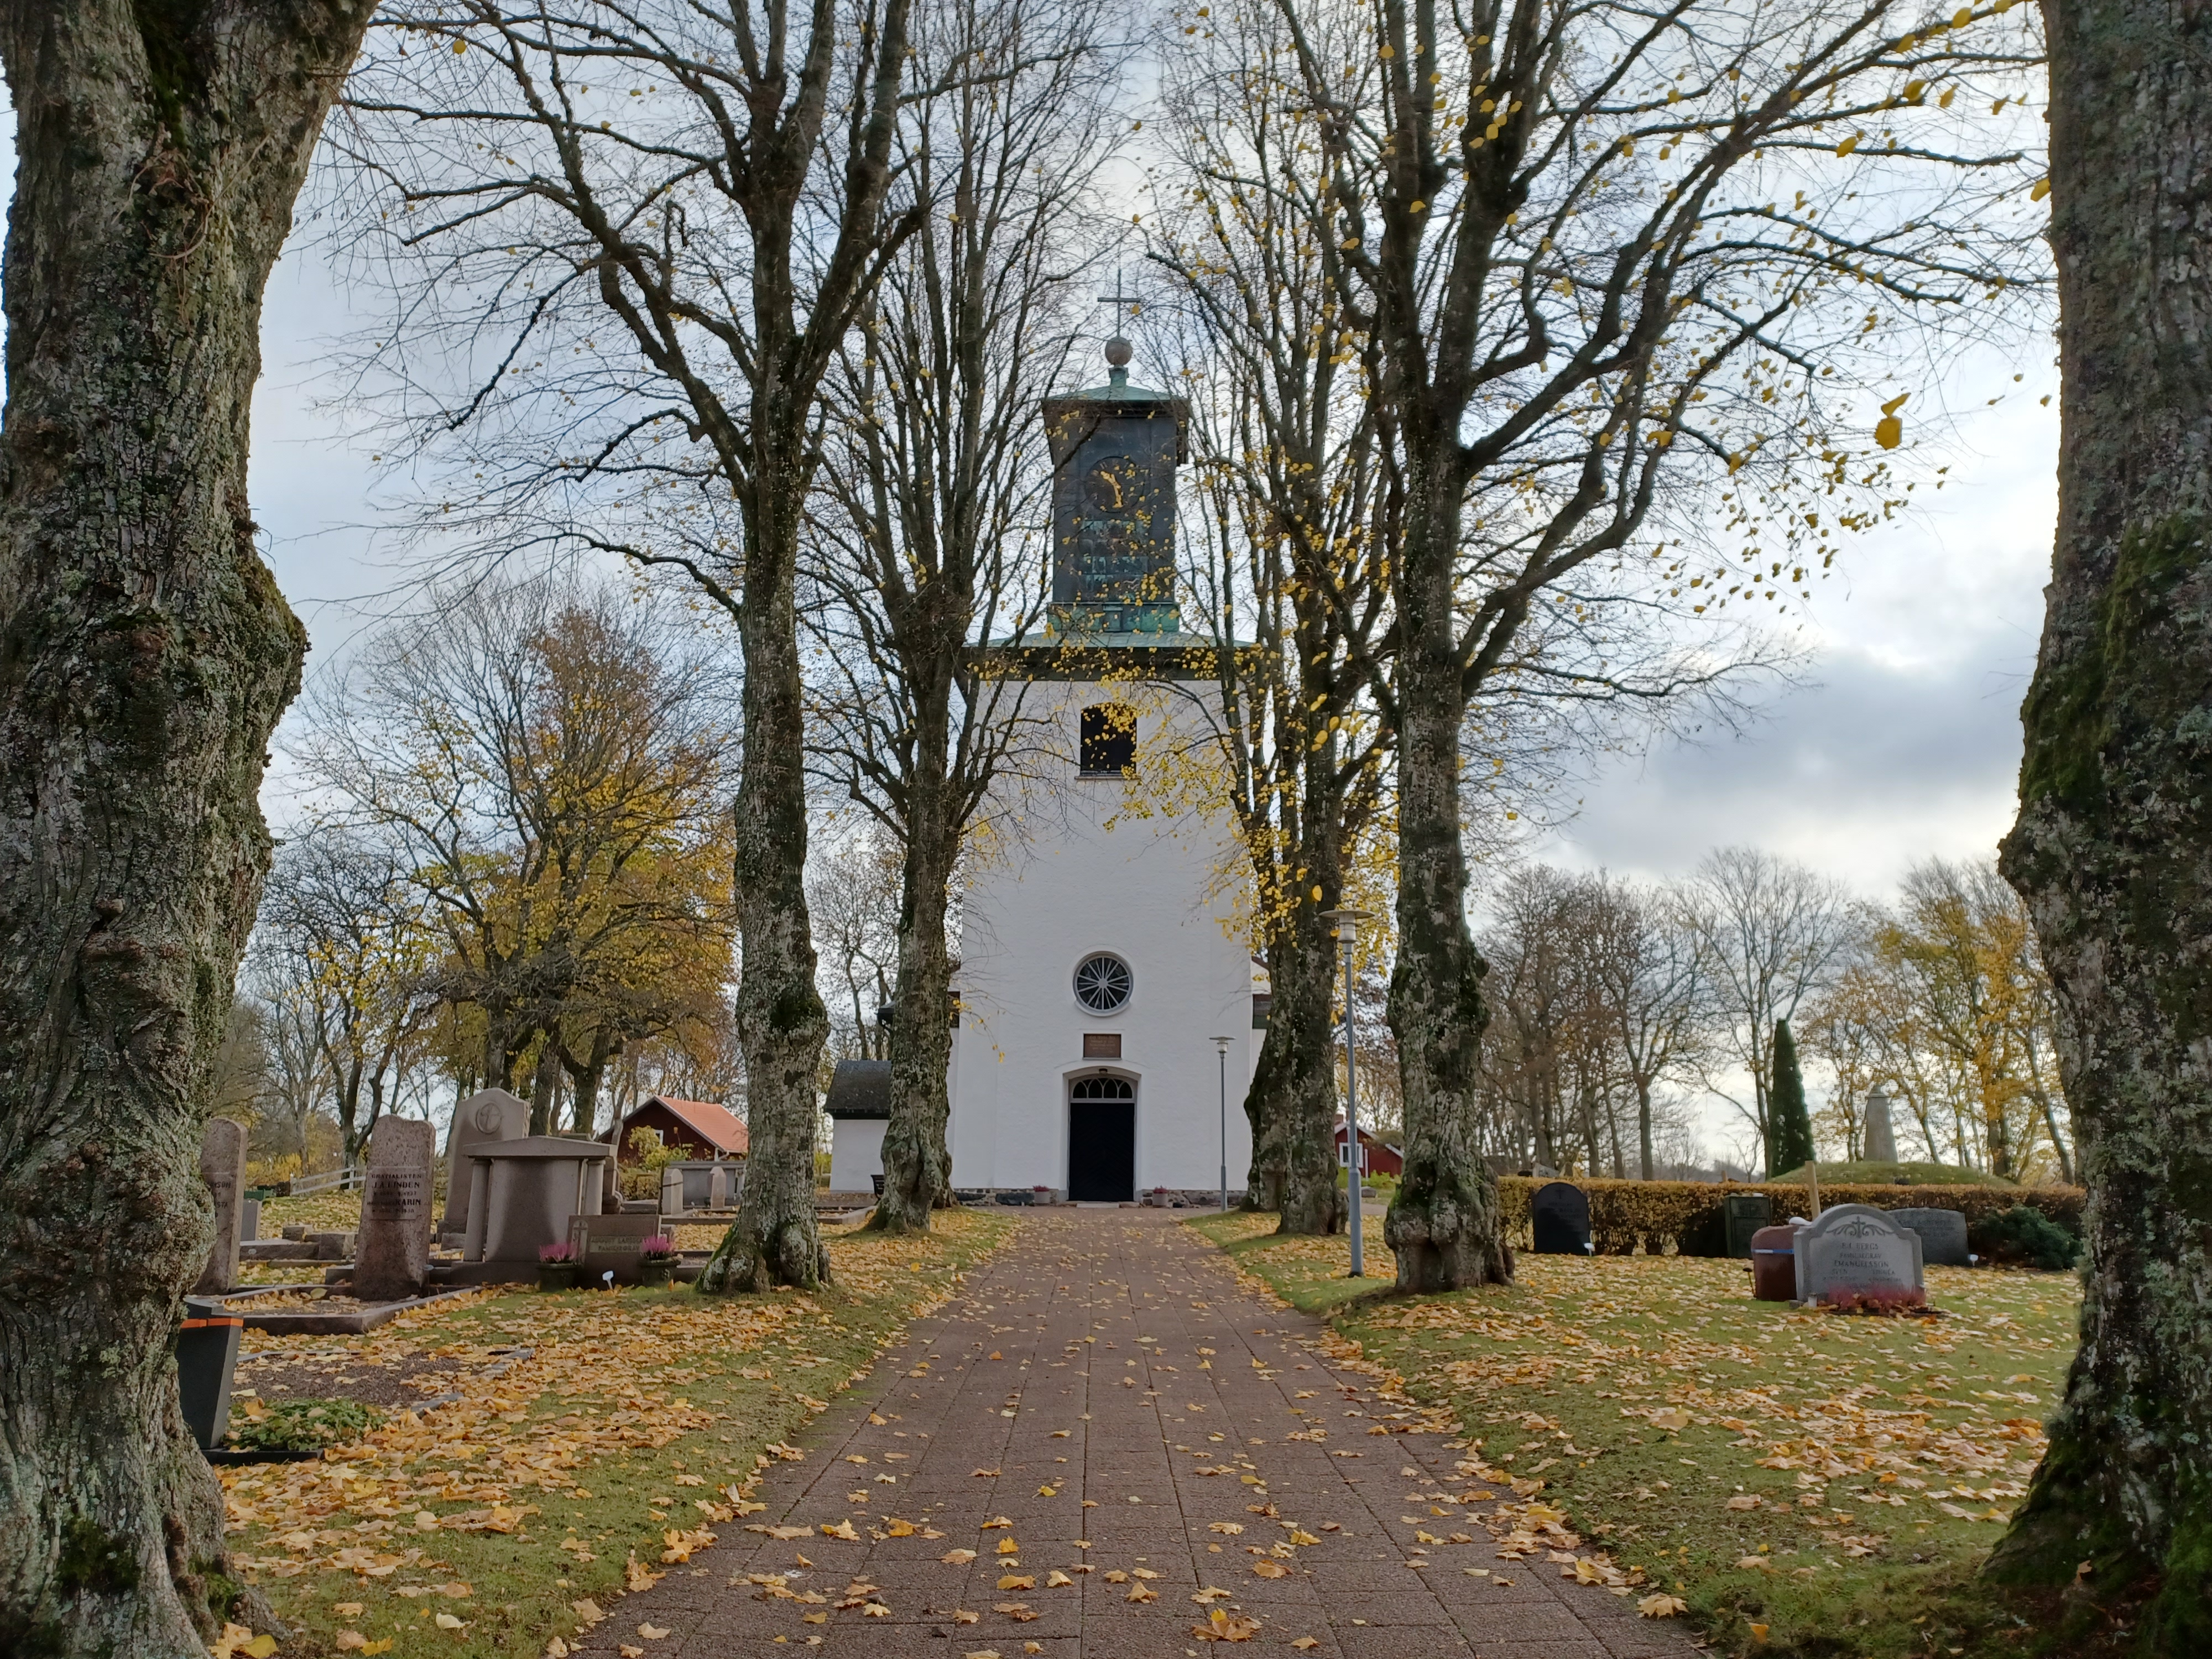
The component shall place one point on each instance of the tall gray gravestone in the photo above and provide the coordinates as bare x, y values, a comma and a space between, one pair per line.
222, 1166
1855, 1250
1880, 1140
486, 1114
391, 1254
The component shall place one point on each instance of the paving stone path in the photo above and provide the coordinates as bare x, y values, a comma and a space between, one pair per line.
1106, 1388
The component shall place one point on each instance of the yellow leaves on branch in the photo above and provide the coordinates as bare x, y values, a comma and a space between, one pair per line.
1889, 431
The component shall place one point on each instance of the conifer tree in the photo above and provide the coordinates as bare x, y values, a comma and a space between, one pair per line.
1789, 1126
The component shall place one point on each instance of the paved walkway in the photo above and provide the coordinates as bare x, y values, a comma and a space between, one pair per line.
1108, 1391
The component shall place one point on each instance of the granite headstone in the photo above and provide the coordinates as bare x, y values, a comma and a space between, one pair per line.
392, 1254
1942, 1235
718, 1187
526, 1190
222, 1166
1855, 1249
486, 1114
1561, 1213
607, 1243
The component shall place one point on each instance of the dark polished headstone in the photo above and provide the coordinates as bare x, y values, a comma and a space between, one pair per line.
1942, 1234
1561, 1216
1746, 1214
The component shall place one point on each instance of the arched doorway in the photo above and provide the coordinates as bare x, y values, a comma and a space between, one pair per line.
1102, 1140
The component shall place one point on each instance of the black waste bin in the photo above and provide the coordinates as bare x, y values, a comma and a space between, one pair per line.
207, 1353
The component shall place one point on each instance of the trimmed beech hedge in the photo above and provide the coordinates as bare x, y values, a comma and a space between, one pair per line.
1687, 1216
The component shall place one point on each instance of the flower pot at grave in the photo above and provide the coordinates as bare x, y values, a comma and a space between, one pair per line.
653, 1273
556, 1276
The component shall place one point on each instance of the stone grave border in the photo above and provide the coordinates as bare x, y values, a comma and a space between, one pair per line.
295, 1322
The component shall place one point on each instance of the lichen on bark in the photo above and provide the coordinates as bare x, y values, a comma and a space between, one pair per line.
145, 655
2112, 850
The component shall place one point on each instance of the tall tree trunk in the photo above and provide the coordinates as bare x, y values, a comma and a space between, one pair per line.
1293, 1102
545, 1076
917, 1167
1643, 1126
146, 655
2057, 1141
2110, 849
1444, 1219
781, 1023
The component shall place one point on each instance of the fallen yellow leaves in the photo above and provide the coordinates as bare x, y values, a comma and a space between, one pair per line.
958, 1557
842, 1529
1661, 1605
681, 1545
1223, 1626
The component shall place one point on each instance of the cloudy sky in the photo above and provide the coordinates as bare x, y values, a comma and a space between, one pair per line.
1900, 742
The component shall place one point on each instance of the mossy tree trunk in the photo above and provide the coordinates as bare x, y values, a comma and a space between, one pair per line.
147, 655
917, 1166
1292, 1104
1444, 1219
2113, 846
781, 1023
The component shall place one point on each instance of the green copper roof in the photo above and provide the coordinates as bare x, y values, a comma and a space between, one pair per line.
1118, 390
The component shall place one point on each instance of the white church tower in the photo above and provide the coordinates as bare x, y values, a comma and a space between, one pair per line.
1095, 971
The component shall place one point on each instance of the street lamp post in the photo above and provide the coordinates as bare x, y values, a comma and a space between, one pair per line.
1221, 1047
1346, 925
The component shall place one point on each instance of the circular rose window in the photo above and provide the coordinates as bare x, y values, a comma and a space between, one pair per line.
1102, 984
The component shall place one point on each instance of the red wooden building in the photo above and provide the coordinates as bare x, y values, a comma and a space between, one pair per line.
700, 1127
1377, 1157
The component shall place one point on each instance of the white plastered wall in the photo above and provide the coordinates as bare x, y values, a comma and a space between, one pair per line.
856, 1153
1074, 872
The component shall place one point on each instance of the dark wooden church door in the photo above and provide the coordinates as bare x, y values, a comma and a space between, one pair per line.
1102, 1141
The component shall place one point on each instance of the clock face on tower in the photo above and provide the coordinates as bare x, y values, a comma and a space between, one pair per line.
1111, 556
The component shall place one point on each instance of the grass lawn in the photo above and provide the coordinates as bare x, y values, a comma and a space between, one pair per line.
1807, 1483
508, 1519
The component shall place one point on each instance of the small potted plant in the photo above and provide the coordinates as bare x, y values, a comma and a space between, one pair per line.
656, 1259
556, 1266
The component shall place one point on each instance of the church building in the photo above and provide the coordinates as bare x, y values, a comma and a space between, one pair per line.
1099, 971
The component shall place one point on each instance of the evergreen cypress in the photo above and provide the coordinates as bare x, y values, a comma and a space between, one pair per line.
1789, 1126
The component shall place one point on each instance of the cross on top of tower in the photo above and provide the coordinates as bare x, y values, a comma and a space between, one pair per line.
1118, 348
1117, 299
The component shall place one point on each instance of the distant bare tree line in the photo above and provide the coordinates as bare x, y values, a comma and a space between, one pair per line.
1617, 1007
